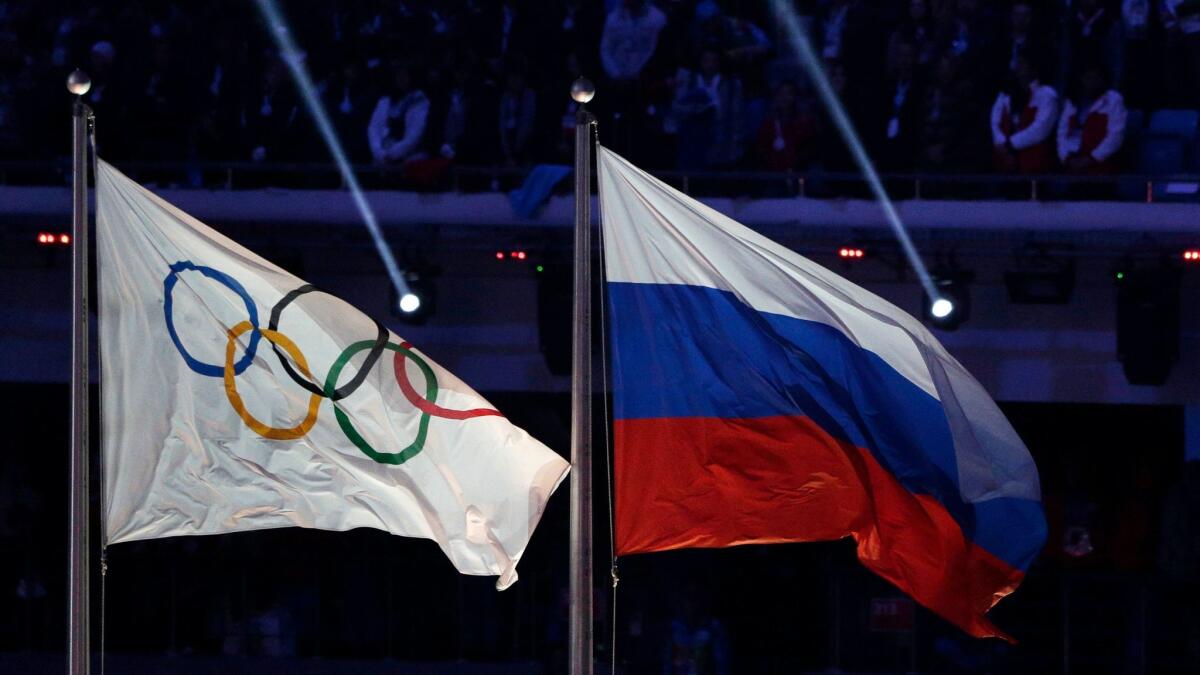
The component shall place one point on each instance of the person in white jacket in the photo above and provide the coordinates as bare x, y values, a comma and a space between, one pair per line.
397, 126
1092, 126
1023, 121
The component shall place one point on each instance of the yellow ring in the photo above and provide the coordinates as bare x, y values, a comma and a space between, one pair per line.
276, 433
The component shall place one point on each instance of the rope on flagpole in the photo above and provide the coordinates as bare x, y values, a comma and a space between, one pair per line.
607, 419
95, 162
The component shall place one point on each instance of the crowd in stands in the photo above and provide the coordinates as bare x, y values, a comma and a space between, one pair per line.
931, 86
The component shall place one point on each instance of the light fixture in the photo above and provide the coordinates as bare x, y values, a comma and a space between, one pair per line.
419, 303
951, 307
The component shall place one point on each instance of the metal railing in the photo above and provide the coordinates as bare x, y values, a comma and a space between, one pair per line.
753, 184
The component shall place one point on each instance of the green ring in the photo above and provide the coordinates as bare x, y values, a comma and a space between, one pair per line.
431, 391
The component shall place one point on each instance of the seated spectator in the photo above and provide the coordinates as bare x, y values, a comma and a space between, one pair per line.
1023, 119
518, 109
785, 138
1092, 126
397, 126
708, 111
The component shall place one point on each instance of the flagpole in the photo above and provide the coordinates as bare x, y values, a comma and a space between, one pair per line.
78, 602
581, 655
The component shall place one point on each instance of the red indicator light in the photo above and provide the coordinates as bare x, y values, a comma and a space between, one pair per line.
1192, 255
520, 255
499, 255
848, 252
64, 238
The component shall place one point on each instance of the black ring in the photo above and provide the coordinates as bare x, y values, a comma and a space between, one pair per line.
346, 389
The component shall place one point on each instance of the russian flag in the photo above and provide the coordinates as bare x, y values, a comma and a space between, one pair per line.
761, 398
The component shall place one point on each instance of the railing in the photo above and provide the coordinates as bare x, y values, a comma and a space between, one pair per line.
753, 184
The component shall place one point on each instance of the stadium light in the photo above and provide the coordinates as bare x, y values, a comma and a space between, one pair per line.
410, 303
951, 307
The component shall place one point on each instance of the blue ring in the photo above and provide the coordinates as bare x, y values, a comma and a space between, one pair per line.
209, 369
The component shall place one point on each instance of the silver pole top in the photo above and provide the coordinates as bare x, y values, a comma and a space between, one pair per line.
582, 90
78, 82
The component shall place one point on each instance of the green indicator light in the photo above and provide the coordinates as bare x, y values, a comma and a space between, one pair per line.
1120, 275
540, 268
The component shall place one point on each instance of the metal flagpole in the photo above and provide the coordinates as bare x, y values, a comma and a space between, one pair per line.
78, 603
581, 393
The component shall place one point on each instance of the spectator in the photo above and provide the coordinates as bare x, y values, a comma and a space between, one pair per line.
397, 126
1022, 36
16, 85
630, 38
785, 138
708, 111
518, 109
1181, 19
1135, 73
745, 47
1090, 37
897, 122
833, 152
269, 117
1092, 126
833, 29
949, 139
967, 33
348, 97
1023, 119
160, 103
919, 30
106, 98
698, 644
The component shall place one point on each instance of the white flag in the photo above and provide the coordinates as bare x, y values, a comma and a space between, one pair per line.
237, 397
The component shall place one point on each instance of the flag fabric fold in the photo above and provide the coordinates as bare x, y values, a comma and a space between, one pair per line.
238, 397
761, 398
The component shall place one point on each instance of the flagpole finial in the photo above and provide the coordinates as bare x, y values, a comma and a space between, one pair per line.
582, 90
78, 82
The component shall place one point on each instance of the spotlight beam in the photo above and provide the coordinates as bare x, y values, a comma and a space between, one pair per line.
308, 92
786, 17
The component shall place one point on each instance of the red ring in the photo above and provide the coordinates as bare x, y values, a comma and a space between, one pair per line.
423, 404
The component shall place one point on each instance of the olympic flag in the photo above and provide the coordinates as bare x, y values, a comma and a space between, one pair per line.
237, 397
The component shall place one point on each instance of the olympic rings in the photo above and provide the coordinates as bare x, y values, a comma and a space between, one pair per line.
230, 283
431, 390
346, 389
281, 344
426, 405
276, 433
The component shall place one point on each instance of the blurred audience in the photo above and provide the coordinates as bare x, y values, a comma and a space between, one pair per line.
689, 84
